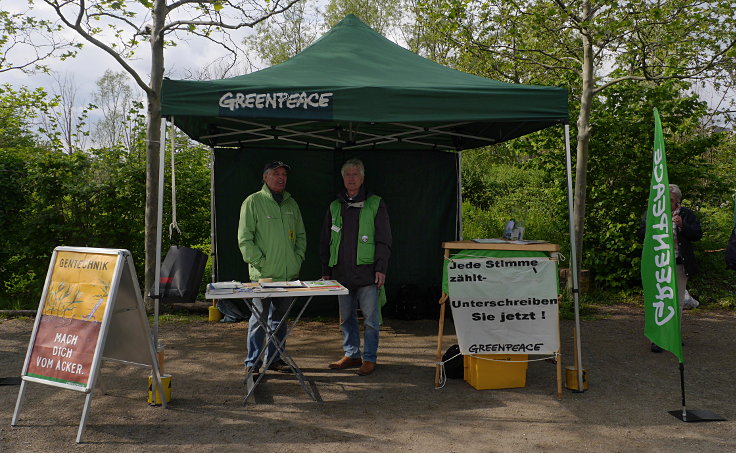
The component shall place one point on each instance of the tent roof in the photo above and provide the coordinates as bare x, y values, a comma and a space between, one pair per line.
355, 89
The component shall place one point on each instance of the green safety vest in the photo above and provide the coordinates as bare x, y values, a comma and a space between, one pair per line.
366, 231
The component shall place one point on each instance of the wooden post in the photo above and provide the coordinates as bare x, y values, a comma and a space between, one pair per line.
438, 356
558, 357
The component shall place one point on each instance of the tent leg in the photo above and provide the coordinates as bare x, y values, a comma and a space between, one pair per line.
213, 218
573, 260
459, 210
157, 281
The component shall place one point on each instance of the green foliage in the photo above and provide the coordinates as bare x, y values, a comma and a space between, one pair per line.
714, 284
530, 183
192, 196
380, 15
620, 169
598, 50
26, 42
281, 37
87, 199
495, 193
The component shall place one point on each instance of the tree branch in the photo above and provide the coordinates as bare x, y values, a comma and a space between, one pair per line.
214, 23
76, 26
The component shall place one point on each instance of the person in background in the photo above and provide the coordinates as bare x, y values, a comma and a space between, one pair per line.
355, 247
685, 231
273, 242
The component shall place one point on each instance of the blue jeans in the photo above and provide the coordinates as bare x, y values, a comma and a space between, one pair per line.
233, 310
366, 298
271, 311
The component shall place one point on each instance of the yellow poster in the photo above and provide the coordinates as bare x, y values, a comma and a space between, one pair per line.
68, 330
80, 285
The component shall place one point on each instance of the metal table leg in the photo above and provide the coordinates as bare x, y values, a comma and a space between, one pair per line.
272, 339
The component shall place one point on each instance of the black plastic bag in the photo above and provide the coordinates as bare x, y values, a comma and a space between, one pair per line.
454, 365
181, 274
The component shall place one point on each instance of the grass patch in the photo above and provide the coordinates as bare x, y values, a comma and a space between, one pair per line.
18, 302
590, 301
716, 289
181, 317
6, 316
587, 311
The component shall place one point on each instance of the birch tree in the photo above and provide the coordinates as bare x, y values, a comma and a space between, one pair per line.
120, 28
587, 46
114, 99
282, 37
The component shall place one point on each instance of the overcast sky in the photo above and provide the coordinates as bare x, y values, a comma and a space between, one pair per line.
182, 61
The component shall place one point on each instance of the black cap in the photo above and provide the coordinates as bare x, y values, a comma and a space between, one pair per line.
274, 165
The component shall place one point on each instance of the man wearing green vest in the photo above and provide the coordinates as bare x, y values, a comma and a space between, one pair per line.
355, 247
273, 242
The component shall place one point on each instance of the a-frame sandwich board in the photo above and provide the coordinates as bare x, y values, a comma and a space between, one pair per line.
91, 310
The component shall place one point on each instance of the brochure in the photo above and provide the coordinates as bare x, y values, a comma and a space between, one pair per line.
291, 284
323, 284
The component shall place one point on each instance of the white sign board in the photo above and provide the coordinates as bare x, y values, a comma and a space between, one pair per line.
504, 305
91, 309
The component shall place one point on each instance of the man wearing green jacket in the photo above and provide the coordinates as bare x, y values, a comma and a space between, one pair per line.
273, 242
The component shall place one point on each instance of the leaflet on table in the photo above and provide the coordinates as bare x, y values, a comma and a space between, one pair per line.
290, 284
506, 241
229, 287
323, 284
268, 287
224, 285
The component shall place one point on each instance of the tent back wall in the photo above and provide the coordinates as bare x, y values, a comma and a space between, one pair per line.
420, 190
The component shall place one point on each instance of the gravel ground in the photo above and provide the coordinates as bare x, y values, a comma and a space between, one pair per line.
397, 408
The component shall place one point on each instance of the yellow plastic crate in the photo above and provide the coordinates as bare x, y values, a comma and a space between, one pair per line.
496, 371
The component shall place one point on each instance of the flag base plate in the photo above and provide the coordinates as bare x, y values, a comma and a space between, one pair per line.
697, 416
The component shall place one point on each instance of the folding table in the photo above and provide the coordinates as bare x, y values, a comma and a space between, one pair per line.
297, 291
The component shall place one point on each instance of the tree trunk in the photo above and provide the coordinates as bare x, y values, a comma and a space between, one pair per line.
583, 125
153, 148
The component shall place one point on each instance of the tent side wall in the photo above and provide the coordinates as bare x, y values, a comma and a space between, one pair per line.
420, 190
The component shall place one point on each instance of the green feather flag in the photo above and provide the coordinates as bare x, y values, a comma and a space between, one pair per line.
658, 267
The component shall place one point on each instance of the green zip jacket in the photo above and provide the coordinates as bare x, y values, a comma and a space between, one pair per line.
271, 236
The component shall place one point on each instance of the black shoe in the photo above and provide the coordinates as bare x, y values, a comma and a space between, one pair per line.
280, 366
656, 348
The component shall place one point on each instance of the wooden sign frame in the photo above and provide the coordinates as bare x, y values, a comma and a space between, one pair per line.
472, 245
91, 295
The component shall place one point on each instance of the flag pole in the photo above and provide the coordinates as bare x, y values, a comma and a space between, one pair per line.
682, 389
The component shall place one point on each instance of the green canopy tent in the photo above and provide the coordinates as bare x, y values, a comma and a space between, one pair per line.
353, 89
354, 93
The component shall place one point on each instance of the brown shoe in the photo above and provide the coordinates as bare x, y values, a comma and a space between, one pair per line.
345, 362
367, 368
